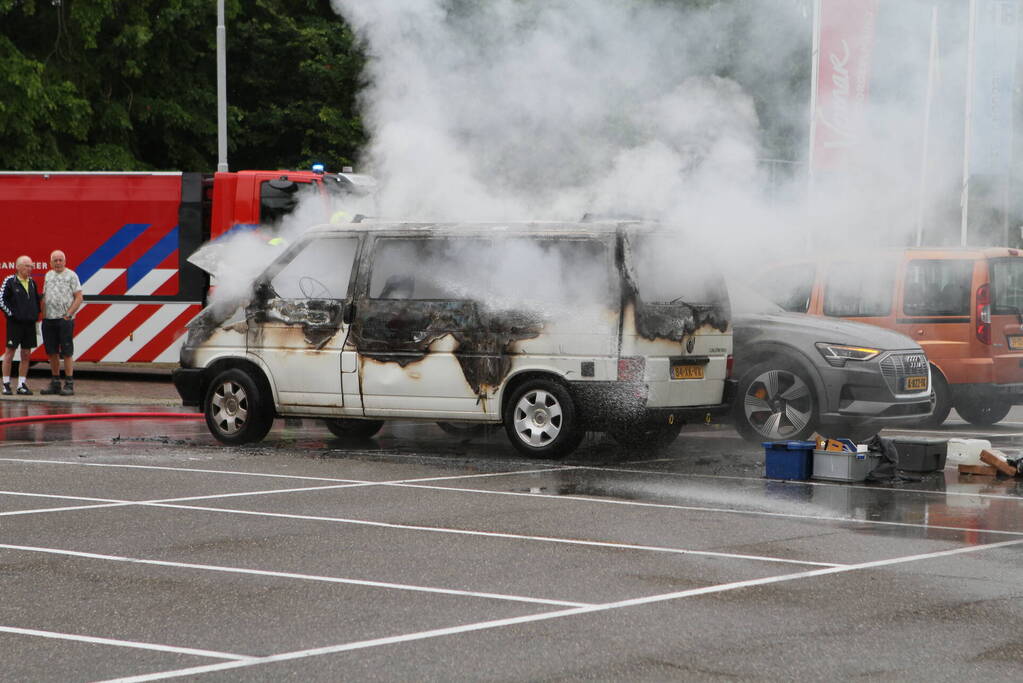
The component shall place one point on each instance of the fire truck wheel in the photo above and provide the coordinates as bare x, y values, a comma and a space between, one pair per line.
353, 429
236, 410
541, 421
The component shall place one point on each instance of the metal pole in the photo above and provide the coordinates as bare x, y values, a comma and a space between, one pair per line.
815, 47
221, 89
964, 200
931, 68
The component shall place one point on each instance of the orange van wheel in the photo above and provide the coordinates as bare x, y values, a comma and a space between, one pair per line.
983, 411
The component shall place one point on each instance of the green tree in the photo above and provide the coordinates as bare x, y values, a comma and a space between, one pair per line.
131, 84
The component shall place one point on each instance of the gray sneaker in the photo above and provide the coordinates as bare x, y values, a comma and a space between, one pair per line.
52, 388
69, 388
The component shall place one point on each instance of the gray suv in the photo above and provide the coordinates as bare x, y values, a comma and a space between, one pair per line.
799, 374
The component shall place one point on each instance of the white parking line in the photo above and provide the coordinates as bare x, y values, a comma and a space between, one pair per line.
546, 616
793, 482
697, 508
122, 643
494, 534
292, 575
284, 476
172, 503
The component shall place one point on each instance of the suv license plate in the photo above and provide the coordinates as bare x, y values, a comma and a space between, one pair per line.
1016, 343
687, 372
914, 383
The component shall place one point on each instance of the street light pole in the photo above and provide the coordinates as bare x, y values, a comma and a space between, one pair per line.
221, 89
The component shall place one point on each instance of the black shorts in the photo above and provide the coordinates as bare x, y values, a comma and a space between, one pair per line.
21, 333
58, 337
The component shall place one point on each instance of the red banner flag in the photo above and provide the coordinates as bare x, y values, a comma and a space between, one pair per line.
844, 38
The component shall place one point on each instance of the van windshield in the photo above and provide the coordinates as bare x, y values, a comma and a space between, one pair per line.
669, 271
1007, 286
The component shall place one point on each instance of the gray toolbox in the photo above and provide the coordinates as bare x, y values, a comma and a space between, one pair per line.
921, 454
843, 465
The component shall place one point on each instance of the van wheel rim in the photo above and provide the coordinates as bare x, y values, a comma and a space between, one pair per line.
538, 418
778, 404
230, 407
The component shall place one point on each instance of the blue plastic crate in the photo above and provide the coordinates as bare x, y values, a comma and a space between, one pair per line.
788, 459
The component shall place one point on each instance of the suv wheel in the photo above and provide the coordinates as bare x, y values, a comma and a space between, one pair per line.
541, 420
236, 410
775, 402
941, 399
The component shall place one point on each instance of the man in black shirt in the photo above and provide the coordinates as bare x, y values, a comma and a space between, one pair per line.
20, 302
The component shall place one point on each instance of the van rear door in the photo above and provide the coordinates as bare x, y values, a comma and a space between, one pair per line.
676, 326
1006, 316
935, 312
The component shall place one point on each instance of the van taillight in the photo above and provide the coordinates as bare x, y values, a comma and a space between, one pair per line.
630, 369
984, 313
729, 364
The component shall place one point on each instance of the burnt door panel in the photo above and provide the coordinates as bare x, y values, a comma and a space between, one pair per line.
297, 327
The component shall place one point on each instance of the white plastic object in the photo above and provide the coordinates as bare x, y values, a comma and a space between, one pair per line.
965, 451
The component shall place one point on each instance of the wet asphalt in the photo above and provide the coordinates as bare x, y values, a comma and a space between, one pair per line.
142, 550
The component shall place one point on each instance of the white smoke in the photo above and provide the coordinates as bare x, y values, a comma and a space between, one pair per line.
522, 109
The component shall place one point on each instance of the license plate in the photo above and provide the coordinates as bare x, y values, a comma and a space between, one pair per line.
1016, 343
687, 372
914, 383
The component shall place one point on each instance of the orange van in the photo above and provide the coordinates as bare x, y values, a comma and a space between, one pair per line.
963, 306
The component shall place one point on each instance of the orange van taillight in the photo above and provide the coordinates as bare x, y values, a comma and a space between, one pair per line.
984, 313
630, 368
729, 365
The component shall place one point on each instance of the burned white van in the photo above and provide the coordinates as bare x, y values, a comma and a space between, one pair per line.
551, 329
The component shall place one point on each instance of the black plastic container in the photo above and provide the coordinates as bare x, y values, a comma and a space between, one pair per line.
919, 454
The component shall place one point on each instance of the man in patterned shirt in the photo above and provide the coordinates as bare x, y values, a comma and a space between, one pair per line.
62, 297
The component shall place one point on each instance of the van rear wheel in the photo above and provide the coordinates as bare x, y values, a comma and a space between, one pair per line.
235, 409
541, 420
983, 411
353, 429
648, 437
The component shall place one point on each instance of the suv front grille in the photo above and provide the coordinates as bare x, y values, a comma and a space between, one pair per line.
897, 366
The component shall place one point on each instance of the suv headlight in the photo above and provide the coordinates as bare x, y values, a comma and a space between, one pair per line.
838, 354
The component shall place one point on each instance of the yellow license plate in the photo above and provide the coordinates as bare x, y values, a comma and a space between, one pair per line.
687, 372
1016, 343
915, 383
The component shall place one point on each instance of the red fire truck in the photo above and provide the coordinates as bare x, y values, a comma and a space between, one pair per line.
128, 237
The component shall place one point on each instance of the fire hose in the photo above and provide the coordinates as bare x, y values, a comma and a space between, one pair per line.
22, 419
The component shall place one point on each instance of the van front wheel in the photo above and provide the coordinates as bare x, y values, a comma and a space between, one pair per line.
983, 412
236, 410
541, 420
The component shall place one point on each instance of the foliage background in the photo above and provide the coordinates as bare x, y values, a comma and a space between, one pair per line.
131, 85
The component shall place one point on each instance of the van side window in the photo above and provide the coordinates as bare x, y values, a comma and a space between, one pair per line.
789, 286
428, 269
566, 272
937, 287
859, 289
501, 272
320, 270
